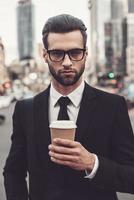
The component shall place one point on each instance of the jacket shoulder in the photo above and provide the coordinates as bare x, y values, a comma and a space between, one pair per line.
107, 95
106, 98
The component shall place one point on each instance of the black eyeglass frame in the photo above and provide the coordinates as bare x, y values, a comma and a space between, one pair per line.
68, 52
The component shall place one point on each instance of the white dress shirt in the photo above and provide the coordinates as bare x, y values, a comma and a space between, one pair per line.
72, 109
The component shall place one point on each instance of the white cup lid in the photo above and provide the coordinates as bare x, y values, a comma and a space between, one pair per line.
63, 124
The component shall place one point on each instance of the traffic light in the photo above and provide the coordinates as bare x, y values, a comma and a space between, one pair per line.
111, 75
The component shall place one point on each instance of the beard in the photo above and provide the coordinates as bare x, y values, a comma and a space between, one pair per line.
67, 77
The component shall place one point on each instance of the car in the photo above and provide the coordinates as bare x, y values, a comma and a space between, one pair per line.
128, 93
5, 101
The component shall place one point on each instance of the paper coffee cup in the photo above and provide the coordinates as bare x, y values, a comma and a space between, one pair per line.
64, 129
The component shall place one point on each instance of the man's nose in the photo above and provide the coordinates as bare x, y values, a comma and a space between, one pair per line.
67, 61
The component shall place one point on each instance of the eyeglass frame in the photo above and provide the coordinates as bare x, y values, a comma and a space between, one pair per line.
66, 52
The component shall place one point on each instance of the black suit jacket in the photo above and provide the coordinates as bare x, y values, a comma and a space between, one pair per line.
103, 127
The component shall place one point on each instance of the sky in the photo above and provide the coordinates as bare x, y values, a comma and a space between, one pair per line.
43, 10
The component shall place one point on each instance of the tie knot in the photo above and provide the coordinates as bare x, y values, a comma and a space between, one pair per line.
64, 101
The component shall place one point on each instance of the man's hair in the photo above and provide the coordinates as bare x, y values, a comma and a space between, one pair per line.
63, 23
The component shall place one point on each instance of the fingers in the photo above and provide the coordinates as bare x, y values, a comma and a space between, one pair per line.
65, 163
64, 146
63, 150
65, 142
63, 157
71, 154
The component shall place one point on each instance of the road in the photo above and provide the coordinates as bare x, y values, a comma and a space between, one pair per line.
5, 131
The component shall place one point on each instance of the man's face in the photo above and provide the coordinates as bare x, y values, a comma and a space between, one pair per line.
68, 70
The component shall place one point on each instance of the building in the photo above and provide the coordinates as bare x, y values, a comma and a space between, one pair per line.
130, 62
2, 53
108, 47
3, 70
118, 8
99, 14
130, 6
124, 46
25, 29
118, 13
94, 36
130, 45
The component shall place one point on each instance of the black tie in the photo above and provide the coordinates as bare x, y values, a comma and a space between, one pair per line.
63, 102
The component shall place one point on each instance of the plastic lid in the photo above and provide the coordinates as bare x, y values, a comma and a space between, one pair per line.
63, 124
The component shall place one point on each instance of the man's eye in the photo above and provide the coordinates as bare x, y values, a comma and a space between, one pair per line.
76, 52
56, 53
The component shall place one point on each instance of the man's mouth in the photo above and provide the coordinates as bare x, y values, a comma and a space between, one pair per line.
67, 72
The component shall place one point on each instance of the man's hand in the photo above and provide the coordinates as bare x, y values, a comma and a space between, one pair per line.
71, 154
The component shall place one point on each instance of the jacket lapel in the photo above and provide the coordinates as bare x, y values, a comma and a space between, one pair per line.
86, 111
41, 125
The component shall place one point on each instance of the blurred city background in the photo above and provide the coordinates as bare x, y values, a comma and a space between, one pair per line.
23, 72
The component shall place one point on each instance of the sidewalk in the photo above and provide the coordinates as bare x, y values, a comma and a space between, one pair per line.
131, 112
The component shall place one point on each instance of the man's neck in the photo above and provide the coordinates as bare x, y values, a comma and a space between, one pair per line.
65, 90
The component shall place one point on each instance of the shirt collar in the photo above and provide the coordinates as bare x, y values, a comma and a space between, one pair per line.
54, 95
74, 96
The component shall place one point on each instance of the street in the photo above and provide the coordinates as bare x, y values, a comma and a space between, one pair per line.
5, 132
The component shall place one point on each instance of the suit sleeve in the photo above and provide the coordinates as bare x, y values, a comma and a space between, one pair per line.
15, 170
117, 172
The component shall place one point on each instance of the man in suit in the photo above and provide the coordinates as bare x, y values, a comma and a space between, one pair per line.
101, 159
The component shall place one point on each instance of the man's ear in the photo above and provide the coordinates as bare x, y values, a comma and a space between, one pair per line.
45, 55
86, 51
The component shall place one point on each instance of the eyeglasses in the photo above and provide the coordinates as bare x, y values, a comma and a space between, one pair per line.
57, 55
